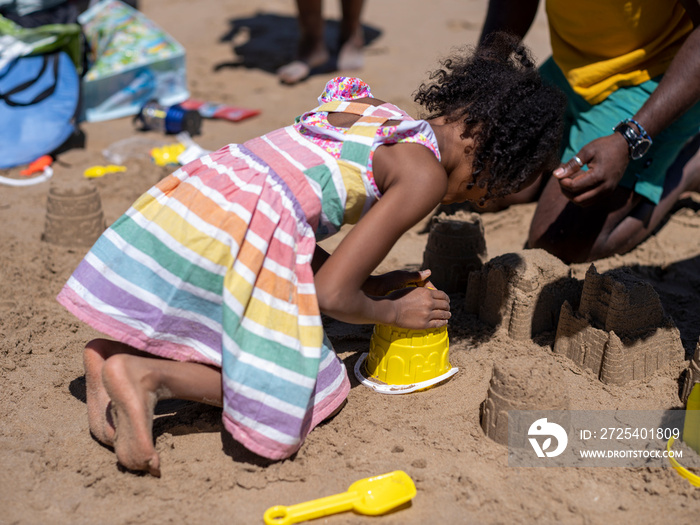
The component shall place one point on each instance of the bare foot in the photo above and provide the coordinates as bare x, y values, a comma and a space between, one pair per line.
95, 354
351, 56
98, 404
293, 72
133, 392
300, 69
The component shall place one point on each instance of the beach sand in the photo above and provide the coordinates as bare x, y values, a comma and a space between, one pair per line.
54, 472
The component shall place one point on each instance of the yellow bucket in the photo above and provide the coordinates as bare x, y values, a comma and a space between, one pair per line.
401, 360
691, 434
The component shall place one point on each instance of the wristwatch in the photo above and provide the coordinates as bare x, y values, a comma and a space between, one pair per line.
637, 141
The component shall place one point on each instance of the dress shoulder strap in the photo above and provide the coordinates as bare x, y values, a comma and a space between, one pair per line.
356, 150
386, 110
359, 139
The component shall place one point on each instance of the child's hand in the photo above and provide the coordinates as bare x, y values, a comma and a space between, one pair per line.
421, 307
380, 285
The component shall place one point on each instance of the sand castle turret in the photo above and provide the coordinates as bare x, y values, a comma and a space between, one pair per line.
521, 293
521, 383
692, 375
620, 331
74, 215
456, 246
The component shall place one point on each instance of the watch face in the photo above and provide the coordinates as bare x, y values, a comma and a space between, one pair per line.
638, 145
639, 149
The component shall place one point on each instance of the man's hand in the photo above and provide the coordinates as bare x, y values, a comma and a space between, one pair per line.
606, 159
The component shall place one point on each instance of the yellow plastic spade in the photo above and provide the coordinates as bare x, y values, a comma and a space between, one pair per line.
99, 171
372, 496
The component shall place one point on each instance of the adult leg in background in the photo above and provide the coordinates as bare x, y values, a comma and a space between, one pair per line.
311, 48
618, 223
352, 39
312, 51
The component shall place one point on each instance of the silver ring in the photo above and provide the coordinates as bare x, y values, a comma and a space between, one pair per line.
578, 161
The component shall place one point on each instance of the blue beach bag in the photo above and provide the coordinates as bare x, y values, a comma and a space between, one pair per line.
39, 99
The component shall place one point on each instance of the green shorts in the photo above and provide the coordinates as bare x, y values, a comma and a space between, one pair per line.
584, 123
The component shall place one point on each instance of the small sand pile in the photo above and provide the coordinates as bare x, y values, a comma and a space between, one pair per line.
522, 383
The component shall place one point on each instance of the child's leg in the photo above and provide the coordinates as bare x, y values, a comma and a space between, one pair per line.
95, 354
135, 384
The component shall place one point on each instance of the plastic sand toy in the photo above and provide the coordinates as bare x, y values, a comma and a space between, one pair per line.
167, 155
693, 479
372, 496
100, 171
402, 361
37, 166
170, 120
691, 435
41, 165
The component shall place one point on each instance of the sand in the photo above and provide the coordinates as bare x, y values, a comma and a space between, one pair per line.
54, 472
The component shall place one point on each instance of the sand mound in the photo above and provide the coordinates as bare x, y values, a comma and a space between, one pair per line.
522, 383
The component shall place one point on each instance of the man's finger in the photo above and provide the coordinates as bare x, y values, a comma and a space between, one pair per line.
581, 182
573, 166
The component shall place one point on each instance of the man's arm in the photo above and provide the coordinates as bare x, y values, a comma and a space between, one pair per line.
679, 89
607, 157
507, 15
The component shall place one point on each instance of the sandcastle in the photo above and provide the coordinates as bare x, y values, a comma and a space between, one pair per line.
521, 294
620, 331
456, 246
522, 383
692, 375
74, 215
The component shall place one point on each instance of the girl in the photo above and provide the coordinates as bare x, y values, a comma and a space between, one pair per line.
211, 283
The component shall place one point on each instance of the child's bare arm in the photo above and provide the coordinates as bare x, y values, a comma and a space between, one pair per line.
381, 284
414, 185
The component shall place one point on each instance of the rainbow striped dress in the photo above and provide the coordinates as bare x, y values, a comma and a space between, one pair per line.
213, 265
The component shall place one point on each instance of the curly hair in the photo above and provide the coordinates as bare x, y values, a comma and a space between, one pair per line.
497, 93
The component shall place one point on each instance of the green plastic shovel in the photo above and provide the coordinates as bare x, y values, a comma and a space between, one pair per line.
372, 496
